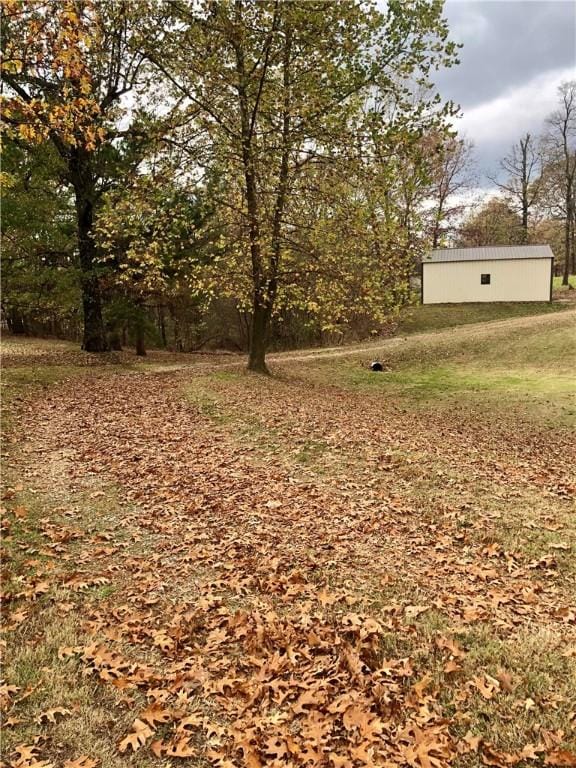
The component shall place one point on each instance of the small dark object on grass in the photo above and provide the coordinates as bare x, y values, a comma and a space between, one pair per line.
376, 366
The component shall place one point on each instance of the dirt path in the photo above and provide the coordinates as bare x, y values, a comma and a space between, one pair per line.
27, 354
458, 333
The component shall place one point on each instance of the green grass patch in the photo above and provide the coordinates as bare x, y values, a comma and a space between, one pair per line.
435, 317
557, 284
527, 367
19, 380
539, 672
208, 405
449, 380
208, 394
310, 452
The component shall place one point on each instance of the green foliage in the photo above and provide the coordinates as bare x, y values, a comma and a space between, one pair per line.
152, 234
495, 223
40, 282
291, 102
67, 67
155, 242
499, 366
272, 157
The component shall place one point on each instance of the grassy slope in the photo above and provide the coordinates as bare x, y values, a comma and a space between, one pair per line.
497, 367
432, 317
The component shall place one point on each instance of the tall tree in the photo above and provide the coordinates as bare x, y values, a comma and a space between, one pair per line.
274, 87
494, 223
523, 168
560, 148
552, 203
40, 286
451, 172
154, 234
67, 64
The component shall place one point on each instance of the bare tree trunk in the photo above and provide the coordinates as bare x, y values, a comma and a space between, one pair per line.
80, 175
573, 235
175, 327
162, 324
264, 281
568, 240
16, 322
259, 339
139, 329
522, 165
563, 121
115, 341
436, 234
524, 224
243, 326
263, 312
140, 347
259, 329
524, 144
94, 339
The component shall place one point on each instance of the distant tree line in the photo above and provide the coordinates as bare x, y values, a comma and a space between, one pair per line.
537, 189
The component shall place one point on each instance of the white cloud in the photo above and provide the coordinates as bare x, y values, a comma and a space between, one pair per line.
466, 201
468, 24
524, 108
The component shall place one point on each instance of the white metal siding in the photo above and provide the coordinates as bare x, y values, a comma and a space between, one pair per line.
513, 280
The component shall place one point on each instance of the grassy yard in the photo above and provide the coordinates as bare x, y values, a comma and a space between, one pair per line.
326, 567
433, 317
530, 368
557, 283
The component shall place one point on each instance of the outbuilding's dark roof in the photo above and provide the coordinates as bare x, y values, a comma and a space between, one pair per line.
490, 252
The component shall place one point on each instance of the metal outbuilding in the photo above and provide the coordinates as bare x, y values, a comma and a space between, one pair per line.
491, 273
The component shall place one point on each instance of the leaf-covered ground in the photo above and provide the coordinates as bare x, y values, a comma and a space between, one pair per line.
210, 568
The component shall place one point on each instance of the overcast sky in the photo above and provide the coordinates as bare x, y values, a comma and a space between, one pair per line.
515, 55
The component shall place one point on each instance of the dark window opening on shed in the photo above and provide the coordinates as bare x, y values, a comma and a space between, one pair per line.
484, 279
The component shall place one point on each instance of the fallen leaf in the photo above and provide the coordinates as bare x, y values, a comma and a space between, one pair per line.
505, 681
141, 733
486, 686
84, 761
412, 611
155, 713
472, 741
50, 715
562, 757
10, 722
180, 749
528, 752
